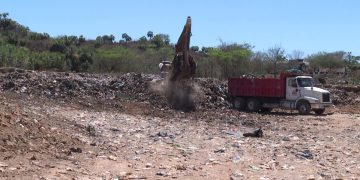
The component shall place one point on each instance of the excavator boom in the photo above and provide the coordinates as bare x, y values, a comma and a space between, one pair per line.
183, 64
184, 39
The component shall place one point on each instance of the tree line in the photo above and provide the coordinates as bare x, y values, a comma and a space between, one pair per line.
23, 48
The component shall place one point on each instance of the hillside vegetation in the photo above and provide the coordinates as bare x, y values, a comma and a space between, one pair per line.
23, 48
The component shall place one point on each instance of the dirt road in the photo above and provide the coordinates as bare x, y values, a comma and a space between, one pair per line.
52, 139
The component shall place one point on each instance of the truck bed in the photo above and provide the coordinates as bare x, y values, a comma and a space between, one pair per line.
257, 87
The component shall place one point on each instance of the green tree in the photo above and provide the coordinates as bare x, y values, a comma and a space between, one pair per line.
351, 60
142, 39
81, 39
108, 39
150, 34
327, 60
232, 60
126, 37
194, 48
161, 40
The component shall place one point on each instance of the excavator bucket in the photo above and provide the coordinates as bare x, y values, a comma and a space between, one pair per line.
183, 64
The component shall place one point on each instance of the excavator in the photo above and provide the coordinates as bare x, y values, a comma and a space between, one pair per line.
183, 65
179, 92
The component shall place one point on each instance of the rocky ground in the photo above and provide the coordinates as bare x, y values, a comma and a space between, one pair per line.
84, 126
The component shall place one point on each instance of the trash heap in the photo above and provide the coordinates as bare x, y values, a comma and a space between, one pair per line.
344, 94
211, 93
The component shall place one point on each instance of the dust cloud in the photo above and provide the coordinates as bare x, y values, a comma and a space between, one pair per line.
180, 95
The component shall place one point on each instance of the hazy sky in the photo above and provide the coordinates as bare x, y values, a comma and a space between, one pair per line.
307, 25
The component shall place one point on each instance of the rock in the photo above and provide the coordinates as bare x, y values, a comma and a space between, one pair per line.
124, 174
161, 173
3, 164
69, 169
23, 89
33, 158
236, 176
12, 168
180, 167
112, 158
257, 133
7, 116
286, 167
162, 134
311, 178
35, 121
305, 154
286, 138
221, 150
91, 130
148, 165
255, 168
76, 150
236, 159
114, 129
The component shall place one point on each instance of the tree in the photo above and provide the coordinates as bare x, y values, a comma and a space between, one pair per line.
195, 48
232, 59
257, 62
81, 39
111, 38
142, 43
206, 49
327, 60
85, 61
108, 39
126, 37
4, 15
296, 54
161, 40
150, 34
275, 55
350, 59
143, 39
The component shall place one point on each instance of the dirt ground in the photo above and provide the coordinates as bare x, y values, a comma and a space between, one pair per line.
44, 138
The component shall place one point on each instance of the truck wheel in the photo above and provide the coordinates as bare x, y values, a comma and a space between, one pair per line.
319, 111
239, 103
303, 107
253, 105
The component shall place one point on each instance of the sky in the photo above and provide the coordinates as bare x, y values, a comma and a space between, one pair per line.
309, 26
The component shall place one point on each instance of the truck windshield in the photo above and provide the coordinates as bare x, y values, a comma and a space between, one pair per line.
304, 82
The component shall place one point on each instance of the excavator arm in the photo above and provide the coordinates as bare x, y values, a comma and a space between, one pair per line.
183, 64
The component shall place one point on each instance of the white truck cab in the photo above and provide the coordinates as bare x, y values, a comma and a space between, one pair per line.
305, 97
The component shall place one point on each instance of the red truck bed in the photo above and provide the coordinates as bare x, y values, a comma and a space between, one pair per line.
257, 87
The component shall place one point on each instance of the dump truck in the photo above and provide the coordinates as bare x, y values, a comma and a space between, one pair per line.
290, 91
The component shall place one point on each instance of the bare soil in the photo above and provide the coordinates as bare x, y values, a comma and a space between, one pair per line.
133, 138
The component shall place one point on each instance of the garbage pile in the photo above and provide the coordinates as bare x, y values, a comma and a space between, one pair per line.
130, 86
344, 95
211, 93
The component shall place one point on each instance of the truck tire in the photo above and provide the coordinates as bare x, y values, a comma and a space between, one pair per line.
253, 105
303, 107
319, 111
239, 103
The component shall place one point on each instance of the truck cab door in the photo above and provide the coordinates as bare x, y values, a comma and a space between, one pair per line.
292, 90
